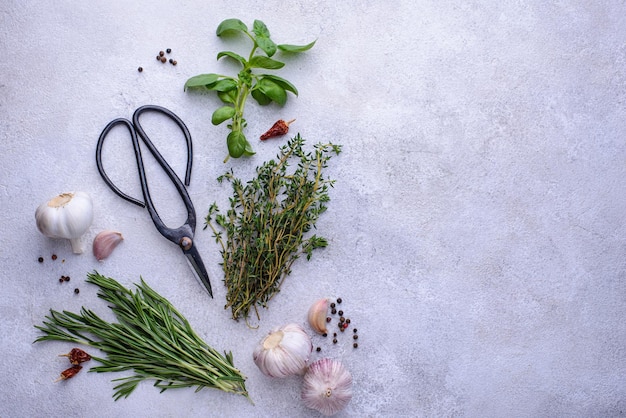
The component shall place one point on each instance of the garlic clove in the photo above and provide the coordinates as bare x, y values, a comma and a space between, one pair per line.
327, 386
105, 242
283, 352
317, 316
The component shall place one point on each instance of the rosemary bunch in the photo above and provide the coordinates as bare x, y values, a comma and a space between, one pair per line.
267, 222
151, 338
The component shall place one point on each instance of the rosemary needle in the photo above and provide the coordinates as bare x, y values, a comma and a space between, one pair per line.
267, 222
151, 338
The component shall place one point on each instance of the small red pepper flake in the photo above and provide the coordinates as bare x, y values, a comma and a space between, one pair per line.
77, 356
69, 373
279, 128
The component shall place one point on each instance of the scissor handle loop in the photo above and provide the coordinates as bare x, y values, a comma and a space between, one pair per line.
135, 129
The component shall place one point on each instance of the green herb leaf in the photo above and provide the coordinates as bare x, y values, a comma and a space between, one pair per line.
273, 90
259, 61
282, 82
236, 142
221, 114
296, 48
228, 96
262, 38
231, 25
260, 98
225, 84
201, 80
232, 55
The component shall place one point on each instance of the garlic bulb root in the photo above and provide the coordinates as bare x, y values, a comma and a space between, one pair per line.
67, 216
327, 386
317, 316
283, 352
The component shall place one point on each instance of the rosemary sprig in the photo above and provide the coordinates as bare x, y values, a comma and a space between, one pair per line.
267, 222
151, 338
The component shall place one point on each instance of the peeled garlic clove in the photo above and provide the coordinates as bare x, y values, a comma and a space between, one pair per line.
327, 386
317, 316
105, 242
283, 352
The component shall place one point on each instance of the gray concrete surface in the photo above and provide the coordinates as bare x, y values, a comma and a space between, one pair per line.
476, 230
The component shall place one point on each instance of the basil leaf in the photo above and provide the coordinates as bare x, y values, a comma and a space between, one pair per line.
272, 90
261, 98
221, 114
232, 55
296, 48
231, 25
259, 61
248, 151
236, 142
225, 84
228, 96
262, 38
282, 82
201, 80
260, 29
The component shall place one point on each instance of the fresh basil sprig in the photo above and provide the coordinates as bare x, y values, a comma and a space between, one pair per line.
234, 91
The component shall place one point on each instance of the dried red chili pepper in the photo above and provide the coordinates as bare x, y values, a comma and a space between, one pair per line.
77, 356
69, 373
279, 128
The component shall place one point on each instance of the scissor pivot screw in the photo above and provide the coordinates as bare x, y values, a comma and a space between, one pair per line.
186, 243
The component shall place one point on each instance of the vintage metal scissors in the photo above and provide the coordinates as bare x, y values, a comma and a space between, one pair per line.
183, 235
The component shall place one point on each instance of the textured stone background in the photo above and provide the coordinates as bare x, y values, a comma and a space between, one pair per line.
476, 228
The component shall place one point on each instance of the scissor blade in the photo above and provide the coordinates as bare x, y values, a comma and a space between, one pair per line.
194, 260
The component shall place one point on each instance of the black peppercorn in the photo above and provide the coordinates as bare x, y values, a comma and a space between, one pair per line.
340, 313
338, 300
163, 60
347, 320
168, 50
342, 319
328, 319
355, 345
76, 291
171, 60
40, 259
54, 256
324, 335
158, 58
61, 280
332, 305
318, 349
174, 62
140, 69
334, 341
334, 311
354, 330
334, 334
355, 337
161, 53
66, 278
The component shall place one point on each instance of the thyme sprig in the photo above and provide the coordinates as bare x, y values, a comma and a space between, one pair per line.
267, 223
151, 338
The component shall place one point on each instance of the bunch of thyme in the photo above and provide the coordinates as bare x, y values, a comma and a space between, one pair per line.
151, 338
267, 222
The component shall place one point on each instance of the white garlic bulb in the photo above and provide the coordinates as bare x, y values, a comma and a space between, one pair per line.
68, 216
327, 386
284, 351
